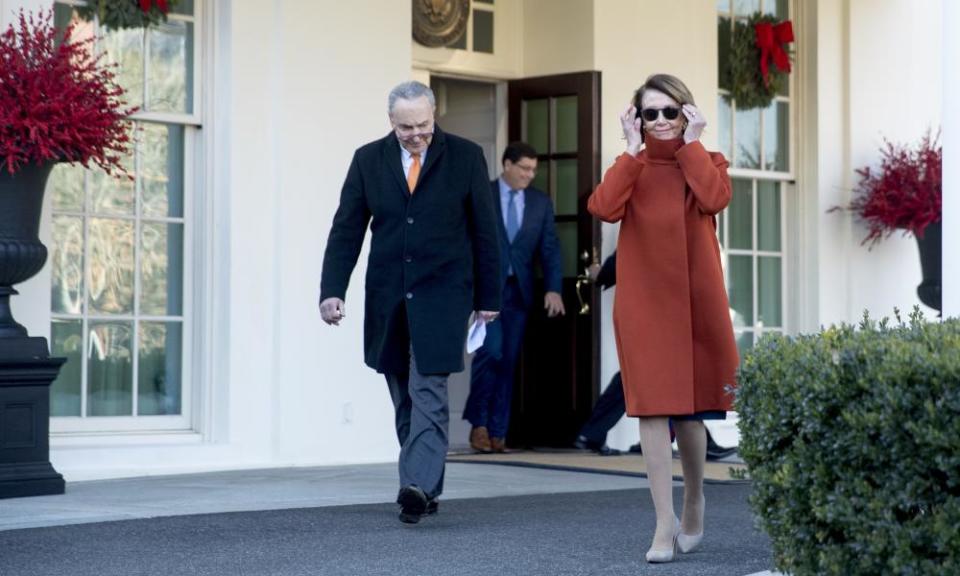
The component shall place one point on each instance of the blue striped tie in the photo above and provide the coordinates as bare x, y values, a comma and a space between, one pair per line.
513, 223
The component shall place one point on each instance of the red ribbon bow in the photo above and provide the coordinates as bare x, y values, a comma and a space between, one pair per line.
145, 5
770, 40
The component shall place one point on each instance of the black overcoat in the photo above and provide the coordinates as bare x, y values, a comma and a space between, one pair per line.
434, 254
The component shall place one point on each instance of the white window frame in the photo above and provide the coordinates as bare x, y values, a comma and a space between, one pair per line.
193, 258
787, 187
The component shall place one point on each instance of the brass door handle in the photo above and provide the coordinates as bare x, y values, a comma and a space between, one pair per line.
582, 281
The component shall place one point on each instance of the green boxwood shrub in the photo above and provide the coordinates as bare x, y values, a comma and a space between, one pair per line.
852, 438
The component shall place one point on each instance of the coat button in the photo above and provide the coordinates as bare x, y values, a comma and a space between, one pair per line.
409, 295
409, 220
408, 259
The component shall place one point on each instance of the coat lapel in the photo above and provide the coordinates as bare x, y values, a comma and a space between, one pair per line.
391, 156
437, 147
495, 191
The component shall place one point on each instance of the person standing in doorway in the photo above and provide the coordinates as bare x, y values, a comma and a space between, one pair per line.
675, 341
434, 258
527, 232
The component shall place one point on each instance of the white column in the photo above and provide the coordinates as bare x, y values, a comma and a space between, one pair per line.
951, 161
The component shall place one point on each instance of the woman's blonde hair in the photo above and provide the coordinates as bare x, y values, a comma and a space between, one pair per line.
669, 85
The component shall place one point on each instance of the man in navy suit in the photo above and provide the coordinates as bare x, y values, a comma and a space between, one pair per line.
527, 231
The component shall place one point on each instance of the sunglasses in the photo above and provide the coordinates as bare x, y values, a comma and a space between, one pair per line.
651, 114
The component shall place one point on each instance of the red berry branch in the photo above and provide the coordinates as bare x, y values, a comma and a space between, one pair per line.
58, 101
905, 193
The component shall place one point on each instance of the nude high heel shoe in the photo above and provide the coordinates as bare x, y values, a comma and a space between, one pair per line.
687, 543
669, 554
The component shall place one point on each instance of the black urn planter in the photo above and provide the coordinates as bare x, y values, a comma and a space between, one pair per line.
26, 370
930, 263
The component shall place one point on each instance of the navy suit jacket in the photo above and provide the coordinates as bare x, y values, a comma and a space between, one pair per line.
537, 237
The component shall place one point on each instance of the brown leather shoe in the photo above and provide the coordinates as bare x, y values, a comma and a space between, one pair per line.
498, 445
480, 439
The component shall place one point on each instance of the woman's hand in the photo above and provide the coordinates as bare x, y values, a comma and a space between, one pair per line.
632, 129
695, 123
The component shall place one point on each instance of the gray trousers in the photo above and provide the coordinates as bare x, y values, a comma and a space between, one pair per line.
422, 422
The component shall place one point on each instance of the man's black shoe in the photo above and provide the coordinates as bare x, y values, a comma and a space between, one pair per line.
413, 504
583, 443
635, 449
717, 452
433, 506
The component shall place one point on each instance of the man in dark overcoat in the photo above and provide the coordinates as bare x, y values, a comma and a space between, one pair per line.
434, 258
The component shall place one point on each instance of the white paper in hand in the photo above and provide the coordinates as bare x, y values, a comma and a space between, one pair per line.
478, 331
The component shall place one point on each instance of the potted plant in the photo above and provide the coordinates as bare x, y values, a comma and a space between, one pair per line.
58, 103
904, 193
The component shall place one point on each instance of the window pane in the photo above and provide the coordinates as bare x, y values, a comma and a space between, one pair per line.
565, 177
777, 8
111, 266
565, 116
768, 215
113, 194
110, 369
66, 185
535, 125
724, 33
748, 138
158, 381
740, 215
567, 236
461, 43
66, 341
184, 7
725, 127
483, 31
161, 175
161, 269
744, 343
66, 262
769, 290
741, 290
746, 7
776, 120
125, 48
723, 6
171, 67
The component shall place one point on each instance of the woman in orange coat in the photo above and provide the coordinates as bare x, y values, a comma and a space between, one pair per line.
678, 355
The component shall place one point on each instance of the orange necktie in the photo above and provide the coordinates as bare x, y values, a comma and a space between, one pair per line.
414, 173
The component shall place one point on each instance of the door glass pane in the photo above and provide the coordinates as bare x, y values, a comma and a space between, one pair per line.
725, 127
111, 266
170, 80
540, 181
125, 48
535, 125
110, 369
769, 290
66, 262
158, 381
768, 215
748, 138
66, 185
741, 289
161, 170
567, 236
565, 176
161, 269
775, 126
113, 194
483, 31
740, 214
566, 124
724, 32
66, 341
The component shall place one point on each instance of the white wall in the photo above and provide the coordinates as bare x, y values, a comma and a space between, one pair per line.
874, 59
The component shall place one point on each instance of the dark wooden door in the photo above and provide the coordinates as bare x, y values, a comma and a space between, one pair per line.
559, 364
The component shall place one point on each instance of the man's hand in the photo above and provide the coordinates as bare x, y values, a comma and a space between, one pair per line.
487, 315
332, 310
593, 271
553, 304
